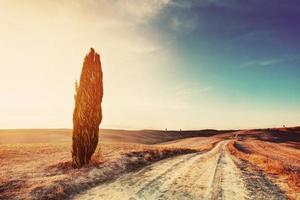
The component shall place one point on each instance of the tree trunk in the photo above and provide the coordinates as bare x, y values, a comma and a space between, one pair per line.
87, 114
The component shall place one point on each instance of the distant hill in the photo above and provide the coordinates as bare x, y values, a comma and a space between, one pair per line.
279, 135
21, 136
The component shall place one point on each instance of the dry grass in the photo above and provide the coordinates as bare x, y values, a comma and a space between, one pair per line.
197, 143
43, 171
275, 159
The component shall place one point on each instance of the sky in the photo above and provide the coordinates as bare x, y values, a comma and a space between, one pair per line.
224, 64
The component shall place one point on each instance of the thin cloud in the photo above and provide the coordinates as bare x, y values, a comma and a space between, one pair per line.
254, 35
130, 11
270, 62
192, 89
200, 3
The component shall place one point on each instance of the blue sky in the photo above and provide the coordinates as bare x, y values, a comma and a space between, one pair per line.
252, 44
248, 51
167, 63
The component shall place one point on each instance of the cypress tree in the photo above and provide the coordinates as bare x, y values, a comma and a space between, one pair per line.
87, 114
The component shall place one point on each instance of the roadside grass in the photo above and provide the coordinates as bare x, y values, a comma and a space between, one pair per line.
285, 175
43, 171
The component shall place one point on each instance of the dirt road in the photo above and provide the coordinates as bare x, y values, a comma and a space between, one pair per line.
210, 175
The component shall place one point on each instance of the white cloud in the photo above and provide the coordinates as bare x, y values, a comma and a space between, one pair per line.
261, 62
129, 12
186, 94
201, 3
270, 62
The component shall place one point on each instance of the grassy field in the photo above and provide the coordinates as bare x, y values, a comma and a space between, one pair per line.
274, 151
35, 164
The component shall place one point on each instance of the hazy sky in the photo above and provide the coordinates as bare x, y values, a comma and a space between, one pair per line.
175, 64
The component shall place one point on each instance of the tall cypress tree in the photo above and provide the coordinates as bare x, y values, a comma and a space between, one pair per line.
87, 114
